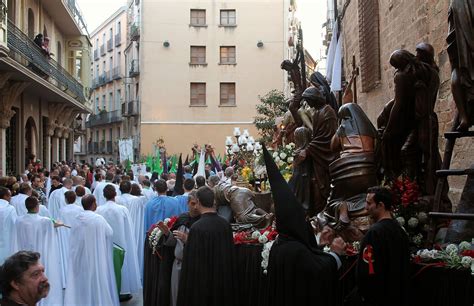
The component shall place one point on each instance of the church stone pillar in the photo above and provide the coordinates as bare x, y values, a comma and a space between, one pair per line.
58, 133
48, 158
5, 117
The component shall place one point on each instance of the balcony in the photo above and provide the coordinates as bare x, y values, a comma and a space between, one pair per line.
116, 73
134, 68
96, 55
24, 51
102, 50
135, 31
104, 118
110, 45
66, 15
118, 39
109, 147
94, 147
132, 108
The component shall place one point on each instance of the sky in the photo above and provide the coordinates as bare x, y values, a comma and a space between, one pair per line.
311, 13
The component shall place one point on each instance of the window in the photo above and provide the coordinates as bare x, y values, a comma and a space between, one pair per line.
97, 105
369, 44
228, 18
198, 17
198, 94
103, 103
118, 97
111, 101
227, 94
198, 55
227, 55
111, 33
119, 28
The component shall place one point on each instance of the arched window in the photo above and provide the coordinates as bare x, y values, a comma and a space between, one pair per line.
31, 24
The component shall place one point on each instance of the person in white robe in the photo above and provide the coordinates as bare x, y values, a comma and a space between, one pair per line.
33, 232
136, 207
99, 189
80, 192
147, 190
57, 200
119, 219
8, 218
80, 181
67, 215
18, 201
91, 279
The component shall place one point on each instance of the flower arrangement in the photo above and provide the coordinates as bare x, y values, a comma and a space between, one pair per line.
284, 156
246, 173
408, 211
155, 233
265, 236
452, 256
255, 237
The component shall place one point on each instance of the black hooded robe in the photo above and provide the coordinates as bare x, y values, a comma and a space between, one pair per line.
300, 276
167, 260
208, 275
385, 247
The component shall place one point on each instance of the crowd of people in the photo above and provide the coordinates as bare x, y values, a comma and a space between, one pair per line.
64, 230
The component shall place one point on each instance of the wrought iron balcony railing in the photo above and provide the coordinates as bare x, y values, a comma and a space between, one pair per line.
134, 68
27, 53
132, 108
118, 39
76, 12
104, 118
135, 31
116, 73
95, 147
110, 44
109, 147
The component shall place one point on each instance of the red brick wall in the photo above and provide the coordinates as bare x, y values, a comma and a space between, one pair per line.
403, 24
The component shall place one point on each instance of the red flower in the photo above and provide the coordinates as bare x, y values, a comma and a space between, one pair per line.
417, 259
350, 250
172, 221
469, 253
152, 227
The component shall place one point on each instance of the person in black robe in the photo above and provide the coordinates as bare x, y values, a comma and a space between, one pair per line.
170, 266
298, 272
382, 270
208, 272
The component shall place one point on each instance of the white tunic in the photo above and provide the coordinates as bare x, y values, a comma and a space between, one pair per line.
136, 207
57, 201
91, 278
18, 202
8, 217
119, 219
99, 192
88, 191
67, 215
148, 193
36, 233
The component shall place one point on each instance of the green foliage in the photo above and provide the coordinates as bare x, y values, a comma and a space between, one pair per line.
271, 106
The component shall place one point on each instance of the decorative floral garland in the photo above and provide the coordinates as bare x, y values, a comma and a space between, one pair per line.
258, 236
266, 237
453, 256
155, 233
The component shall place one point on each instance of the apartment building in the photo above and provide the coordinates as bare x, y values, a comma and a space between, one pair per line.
104, 125
203, 65
44, 88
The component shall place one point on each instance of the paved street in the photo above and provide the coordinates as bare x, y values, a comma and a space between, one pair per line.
137, 300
